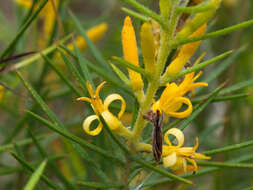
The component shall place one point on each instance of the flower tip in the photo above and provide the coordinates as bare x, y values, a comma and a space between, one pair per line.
127, 21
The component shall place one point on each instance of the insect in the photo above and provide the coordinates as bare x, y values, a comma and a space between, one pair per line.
157, 142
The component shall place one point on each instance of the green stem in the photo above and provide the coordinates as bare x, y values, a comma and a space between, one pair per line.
153, 85
164, 50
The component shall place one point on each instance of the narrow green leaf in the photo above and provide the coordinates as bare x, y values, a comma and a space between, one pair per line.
100, 72
15, 131
37, 144
237, 86
31, 169
195, 9
92, 163
75, 138
20, 143
125, 63
29, 13
228, 90
121, 75
82, 62
39, 100
229, 148
207, 170
220, 68
37, 56
214, 34
74, 71
195, 68
92, 47
134, 112
199, 108
23, 29
162, 172
232, 97
62, 76
97, 185
223, 98
34, 179
135, 14
146, 11
114, 138
224, 165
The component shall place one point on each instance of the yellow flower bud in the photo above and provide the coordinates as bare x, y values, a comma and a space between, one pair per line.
130, 52
148, 47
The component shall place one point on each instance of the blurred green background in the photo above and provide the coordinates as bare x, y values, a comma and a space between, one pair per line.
221, 124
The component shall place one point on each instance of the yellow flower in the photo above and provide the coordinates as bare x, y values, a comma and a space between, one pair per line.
130, 52
94, 34
102, 108
172, 98
175, 156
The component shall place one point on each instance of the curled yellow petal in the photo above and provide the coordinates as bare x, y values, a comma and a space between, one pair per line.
148, 47
178, 135
130, 52
94, 34
113, 97
184, 54
170, 160
87, 123
183, 114
112, 121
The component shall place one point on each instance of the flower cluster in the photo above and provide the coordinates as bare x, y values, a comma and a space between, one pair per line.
155, 45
